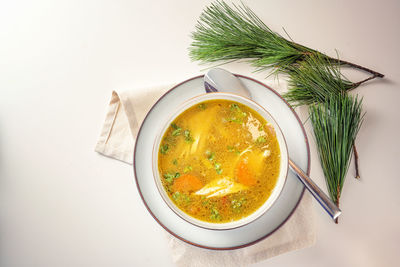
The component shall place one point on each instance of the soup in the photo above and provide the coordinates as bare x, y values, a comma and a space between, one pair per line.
219, 161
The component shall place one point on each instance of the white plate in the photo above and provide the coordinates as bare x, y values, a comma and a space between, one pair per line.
220, 239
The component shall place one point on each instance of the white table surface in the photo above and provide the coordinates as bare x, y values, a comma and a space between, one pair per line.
61, 204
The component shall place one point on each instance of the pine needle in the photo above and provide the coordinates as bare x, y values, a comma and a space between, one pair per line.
336, 124
314, 80
227, 33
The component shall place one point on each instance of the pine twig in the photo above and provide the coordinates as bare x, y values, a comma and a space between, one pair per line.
337, 203
374, 73
355, 85
356, 161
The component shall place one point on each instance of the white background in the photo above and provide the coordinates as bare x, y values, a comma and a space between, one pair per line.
61, 204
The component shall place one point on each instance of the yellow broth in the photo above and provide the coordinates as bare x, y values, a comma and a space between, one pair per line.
219, 161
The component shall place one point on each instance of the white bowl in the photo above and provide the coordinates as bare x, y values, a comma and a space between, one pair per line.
284, 159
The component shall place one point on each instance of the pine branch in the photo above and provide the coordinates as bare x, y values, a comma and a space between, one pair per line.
314, 80
336, 124
226, 33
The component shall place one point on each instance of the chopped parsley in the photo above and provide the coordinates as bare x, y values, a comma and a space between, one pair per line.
236, 120
217, 167
169, 177
181, 197
210, 155
237, 115
205, 202
215, 214
233, 149
176, 195
177, 130
234, 106
188, 136
164, 149
188, 169
261, 140
237, 204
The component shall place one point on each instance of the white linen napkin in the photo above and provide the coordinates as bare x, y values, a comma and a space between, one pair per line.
126, 111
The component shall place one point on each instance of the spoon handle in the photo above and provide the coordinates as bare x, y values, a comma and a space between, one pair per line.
318, 194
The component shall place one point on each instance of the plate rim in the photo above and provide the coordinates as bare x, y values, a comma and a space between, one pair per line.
243, 245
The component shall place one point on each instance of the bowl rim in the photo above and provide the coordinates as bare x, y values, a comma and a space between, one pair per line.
282, 176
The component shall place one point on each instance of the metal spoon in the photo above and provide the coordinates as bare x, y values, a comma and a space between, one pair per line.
220, 80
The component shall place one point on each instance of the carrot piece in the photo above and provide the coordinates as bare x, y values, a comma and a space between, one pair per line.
244, 175
187, 183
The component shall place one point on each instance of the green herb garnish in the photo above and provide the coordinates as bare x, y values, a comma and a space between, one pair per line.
261, 140
188, 169
217, 167
176, 195
164, 149
205, 203
236, 120
188, 137
237, 115
234, 106
169, 177
179, 197
233, 149
215, 214
237, 204
177, 130
210, 155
